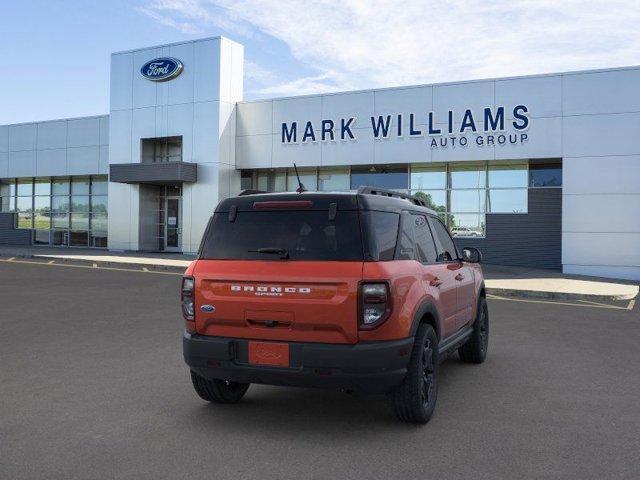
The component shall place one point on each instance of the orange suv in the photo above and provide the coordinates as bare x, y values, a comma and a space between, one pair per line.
358, 291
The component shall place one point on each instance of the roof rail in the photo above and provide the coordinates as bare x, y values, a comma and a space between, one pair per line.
250, 192
391, 193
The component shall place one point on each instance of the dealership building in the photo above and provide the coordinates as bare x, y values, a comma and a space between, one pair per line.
540, 171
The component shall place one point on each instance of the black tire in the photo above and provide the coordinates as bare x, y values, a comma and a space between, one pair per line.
475, 349
415, 399
218, 391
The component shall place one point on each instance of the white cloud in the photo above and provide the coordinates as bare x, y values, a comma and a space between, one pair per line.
363, 44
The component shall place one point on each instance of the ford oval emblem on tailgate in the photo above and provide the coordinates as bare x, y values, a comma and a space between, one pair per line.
208, 308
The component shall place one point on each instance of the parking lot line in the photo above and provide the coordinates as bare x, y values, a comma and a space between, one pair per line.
91, 267
587, 303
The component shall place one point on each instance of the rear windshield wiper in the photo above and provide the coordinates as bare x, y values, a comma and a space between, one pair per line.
283, 252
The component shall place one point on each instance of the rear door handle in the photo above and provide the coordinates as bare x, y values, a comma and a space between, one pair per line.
459, 277
436, 282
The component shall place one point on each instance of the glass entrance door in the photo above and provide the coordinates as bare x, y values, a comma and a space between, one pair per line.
173, 230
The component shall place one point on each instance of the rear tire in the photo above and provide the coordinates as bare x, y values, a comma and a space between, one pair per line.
475, 349
415, 399
218, 391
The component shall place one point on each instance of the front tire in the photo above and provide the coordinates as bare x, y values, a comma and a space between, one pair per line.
475, 349
218, 391
415, 399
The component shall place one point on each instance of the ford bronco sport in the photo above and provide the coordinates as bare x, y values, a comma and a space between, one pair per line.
358, 291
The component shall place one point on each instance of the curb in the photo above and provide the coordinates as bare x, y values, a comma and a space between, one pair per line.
508, 292
102, 263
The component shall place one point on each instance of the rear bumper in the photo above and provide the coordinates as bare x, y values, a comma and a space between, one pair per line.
371, 367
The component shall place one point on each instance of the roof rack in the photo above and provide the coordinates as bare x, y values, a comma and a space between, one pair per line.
250, 192
391, 193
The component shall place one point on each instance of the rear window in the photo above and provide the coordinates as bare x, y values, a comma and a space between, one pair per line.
303, 234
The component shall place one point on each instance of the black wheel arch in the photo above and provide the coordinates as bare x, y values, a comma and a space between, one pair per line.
427, 313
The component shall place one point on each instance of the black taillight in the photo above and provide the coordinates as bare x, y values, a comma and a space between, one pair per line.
375, 304
187, 298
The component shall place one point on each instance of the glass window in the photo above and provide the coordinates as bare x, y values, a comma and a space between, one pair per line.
468, 176
60, 186
272, 181
508, 176
60, 237
60, 220
435, 199
424, 240
308, 176
25, 188
383, 176
80, 221
99, 185
303, 234
42, 186
246, 180
432, 177
8, 188
80, 186
99, 203
468, 200
60, 204
80, 203
99, 222
406, 249
508, 201
98, 239
467, 225
25, 212
445, 247
7, 204
381, 233
78, 239
333, 179
41, 237
42, 212
545, 175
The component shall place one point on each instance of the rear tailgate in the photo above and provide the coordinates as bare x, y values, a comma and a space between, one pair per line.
298, 301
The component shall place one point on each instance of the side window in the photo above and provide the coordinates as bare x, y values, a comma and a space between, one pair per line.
406, 249
381, 232
446, 247
426, 249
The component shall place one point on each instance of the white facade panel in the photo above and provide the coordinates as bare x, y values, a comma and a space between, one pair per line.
345, 105
104, 130
206, 132
4, 138
625, 273
4, 164
83, 132
52, 135
346, 152
601, 213
22, 163
255, 118
144, 91
542, 95
121, 84
399, 150
588, 93
83, 160
595, 175
544, 140
601, 135
180, 122
180, 89
254, 151
206, 84
303, 154
104, 160
395, 101
51, 162
617, 249
23, 137
461, 96
301, 110
120, 122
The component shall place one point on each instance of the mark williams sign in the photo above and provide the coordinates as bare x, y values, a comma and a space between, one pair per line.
490, 127
162, 69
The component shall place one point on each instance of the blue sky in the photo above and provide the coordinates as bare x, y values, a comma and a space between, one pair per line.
56, 53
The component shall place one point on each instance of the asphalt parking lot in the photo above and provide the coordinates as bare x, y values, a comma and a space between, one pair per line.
93, 386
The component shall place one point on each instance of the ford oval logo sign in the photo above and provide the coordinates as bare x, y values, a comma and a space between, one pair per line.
162, 69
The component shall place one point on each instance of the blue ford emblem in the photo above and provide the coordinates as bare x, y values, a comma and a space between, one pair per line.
162, 69
208, 308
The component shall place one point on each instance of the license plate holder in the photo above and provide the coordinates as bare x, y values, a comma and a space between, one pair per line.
269, 354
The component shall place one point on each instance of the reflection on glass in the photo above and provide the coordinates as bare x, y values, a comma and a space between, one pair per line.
41, 237
272, 181
24, 207
8, 187
7, 204
508, 176
545, 175
60, 237
508, 201
80, 186
42, 212
60, 220
99, 222
468, 200
98, 239
435, 199
333, 179
78, 239
60, 186
99, 203
466, 224
308, 177
60, 204
25, 188
432, 177
80, 203
468, 176
383, 176
99, 185
79, 221
42, 186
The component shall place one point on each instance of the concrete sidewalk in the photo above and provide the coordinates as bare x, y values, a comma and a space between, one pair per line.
499, 280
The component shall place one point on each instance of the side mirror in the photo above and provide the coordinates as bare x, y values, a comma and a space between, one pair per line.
471, 254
